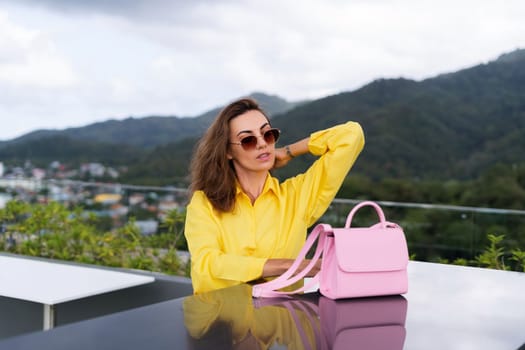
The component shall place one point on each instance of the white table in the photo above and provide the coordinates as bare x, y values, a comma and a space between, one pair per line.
52, 283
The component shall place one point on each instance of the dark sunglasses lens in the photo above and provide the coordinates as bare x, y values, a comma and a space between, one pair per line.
271, 136
249, 142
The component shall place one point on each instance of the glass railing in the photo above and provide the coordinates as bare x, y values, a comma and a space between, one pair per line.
443, 233
435, 232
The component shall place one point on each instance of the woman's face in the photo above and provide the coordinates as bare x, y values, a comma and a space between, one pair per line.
258, 159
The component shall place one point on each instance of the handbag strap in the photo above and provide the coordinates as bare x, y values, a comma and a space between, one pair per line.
379, 211
270, 289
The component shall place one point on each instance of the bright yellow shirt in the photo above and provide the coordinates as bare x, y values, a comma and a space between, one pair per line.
231, 248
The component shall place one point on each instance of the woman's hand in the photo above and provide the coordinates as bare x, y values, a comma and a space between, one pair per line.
276, 267
315, 269
281, 158
284, 154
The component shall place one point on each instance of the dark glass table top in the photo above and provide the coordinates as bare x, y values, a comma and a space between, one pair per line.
447, 307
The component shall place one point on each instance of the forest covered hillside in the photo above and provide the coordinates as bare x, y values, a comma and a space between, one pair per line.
452, 126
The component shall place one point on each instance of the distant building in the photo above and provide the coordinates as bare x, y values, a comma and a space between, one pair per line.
38, 173
58, 193
118, 210
4, 198
20, 182
107, 198
136, 198
113, 173
93, 169
147, 227
165, 207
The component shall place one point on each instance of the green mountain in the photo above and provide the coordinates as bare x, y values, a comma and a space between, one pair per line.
152, 131
455, 125
49, 148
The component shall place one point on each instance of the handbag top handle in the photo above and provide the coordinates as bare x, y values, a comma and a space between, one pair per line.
379, 211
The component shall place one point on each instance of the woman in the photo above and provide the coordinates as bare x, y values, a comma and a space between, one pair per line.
241, 223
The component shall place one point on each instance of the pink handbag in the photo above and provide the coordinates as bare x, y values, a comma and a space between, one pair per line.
357, 261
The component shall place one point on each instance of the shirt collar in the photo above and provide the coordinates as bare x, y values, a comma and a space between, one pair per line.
270, 184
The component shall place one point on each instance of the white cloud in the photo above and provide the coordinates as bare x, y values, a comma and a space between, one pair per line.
80, 62
30, 59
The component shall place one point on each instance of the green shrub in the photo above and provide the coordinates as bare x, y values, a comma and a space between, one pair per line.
53, 231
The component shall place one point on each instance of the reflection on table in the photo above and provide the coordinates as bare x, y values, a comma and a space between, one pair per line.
447, 307
230, 318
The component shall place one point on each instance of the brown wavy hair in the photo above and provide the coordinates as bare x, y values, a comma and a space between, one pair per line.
210, 170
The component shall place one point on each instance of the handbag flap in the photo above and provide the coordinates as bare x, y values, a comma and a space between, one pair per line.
371, 249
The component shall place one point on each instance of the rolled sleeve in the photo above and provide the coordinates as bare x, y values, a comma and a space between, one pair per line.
338, 148
348, 137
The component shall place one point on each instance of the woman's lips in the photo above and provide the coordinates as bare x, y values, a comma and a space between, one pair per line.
264, 156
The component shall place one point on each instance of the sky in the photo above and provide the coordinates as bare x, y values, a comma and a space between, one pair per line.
69, 63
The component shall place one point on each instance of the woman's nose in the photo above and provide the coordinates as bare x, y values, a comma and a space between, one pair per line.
261, 142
